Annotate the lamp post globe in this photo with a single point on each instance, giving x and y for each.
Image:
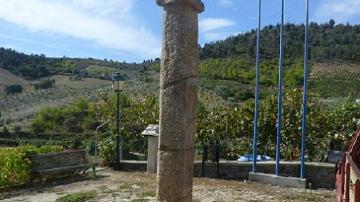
(116, 78)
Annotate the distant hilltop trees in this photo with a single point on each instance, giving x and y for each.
(327, 41)
(32, 66)
(37, 66)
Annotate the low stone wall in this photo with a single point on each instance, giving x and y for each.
(130, 165)
(319, 175)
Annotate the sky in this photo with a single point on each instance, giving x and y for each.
(131, 30)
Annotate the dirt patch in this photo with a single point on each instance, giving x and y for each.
(126, 186)
(335, 68)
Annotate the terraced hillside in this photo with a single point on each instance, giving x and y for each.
(7, 78)
(20, 107)
(337, 79)
(231, 81)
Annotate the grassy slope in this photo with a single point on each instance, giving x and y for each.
(19, 107)
(335, 80)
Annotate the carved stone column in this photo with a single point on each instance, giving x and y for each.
(178, 98)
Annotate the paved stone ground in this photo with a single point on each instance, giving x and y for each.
(125, 186)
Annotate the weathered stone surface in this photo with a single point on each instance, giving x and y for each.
(153, 144)
(176, 181)
(197, 5)
(278, 180)
(177, 124)
(178, 97)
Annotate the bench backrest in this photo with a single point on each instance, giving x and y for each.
(55, 160)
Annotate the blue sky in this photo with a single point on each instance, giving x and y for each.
(130, 30)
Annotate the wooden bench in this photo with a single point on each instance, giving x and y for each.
(68, 162)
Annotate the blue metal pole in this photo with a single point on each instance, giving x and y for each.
(280, 89)
(257, 90)
(304, 107)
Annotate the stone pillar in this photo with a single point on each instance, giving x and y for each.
(178, 97)
(152, 153)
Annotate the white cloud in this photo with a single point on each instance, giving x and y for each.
(210, 24)
(107, 23)
(212, 29)
(340, 10)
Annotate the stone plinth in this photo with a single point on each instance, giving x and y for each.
(153, 144)
(278, 180)
(152, 134)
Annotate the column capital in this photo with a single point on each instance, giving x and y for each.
(197, 5)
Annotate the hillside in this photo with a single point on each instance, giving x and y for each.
(7, 78)
(20, 107)
(222, 82)
(226, 71)
(336, 79)
(327, 41)
(37, 66)
(231, 81)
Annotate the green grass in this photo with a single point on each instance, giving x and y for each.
(99, 70)
(340, 85)
(140, 200)
(77, 197)
(147, 194)
(125, 186)
(144, 196)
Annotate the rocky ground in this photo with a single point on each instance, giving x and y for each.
(136, 187)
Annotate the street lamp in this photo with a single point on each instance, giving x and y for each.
(116, 86)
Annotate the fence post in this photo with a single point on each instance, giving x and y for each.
(343, 165)
(347, 182)
(357, 191)
(217, 156)
(204, 158)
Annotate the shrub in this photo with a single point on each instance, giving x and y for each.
(6, 131)
(44, 84)
(17, 129)
(88, 146)
(343, 122)
(15, 167)
(107, 150)
(72, 124)
(12, 89)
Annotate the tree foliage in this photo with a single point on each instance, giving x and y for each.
(327, 41)
(233, 127)
(36, 66)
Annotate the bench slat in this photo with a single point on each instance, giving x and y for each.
(54, 160)
(59, 162)
(59, 169)
(56, 154)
